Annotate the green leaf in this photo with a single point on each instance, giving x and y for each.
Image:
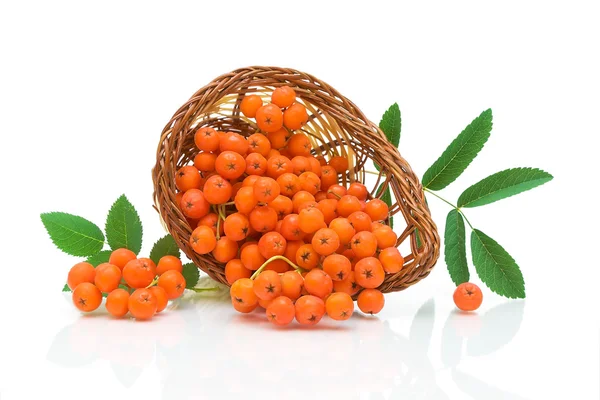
(455, 248)
(391, 124)
(419, 244)
(123, 226)
(165, 246)
(191, 273)
(459, 154)
(73, 234)
(501, 185)
(99, 258)
(66, 288)
(495, 267)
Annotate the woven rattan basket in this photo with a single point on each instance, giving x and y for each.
(336, 127)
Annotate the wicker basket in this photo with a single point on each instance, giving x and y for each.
(336, 126)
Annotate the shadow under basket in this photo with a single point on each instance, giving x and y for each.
(335, 127)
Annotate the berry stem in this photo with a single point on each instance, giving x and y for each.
(262, 267)
(153, 283)
(450, 204)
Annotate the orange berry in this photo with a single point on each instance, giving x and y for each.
(107, 278)
(283, 96)
(370, 301)
(139, 273)
(385, 236)
(310, 182)
(117, 303)
(120, 257)
(369, 273)
(281, 311)
(291, 285)
(161, 298)
(217, 190)
(337, 192)
(318, 283)
(301, 164)
(325, 241)
(194, 204)
(295, 116)
(347, 205)
(226, 249)
(348, 285)
(245, 200)
(231, 141)
(234, 270)
(205, 162)
(230, 165)
(289, 184)
(79, 273)
(279, 138)
(251, 257)
(279, 165)
(328, 208)
(242, 292)
(250, 104)
(167, 263)
(259, 143)
(142, 304)
(468, 296)
(239, 307)
(265, 189)
(187, 178)
(339, 163)
(309, 310)
(236, 226)
(256, 164)
(359, 190)
(263, 219)
(203, 240)
(269, 118)
(290, 227)
(282, 205)
(272, 244)
(339, 306)
(310, 220)
(391, 260)
(207, 139)
(377, 209)
(264, 303)
(315, 166)
(360, 221)
(173, 283)
(299, 145)
(343, 228)
(329, 177)
(86, 297)
(337, 267)
(300, 198)
(307, 257)
(364, 244)
(279, 266)
(267, 285)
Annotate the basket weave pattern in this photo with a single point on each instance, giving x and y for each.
(336, 127)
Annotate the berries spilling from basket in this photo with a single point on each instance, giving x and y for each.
(134, 285)
(293, 239)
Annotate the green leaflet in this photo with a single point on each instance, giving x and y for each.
(459, 154)
(123, 226)
(163, 247)
(66, 288)
(391, 124)
(501, 185)
(99, 258)
(455, 250)
(495, 267)
(73, 234)
(191, 273)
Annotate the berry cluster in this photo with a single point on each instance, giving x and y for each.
(134, 285)
(266, 204)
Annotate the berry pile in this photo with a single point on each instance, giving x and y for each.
(134, 285)
(293, 240)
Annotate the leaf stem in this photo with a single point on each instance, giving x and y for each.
(262, 267)
(450, 204)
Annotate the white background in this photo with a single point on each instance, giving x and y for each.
(86, 88)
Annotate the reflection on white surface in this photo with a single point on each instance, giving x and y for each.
(206, 350)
